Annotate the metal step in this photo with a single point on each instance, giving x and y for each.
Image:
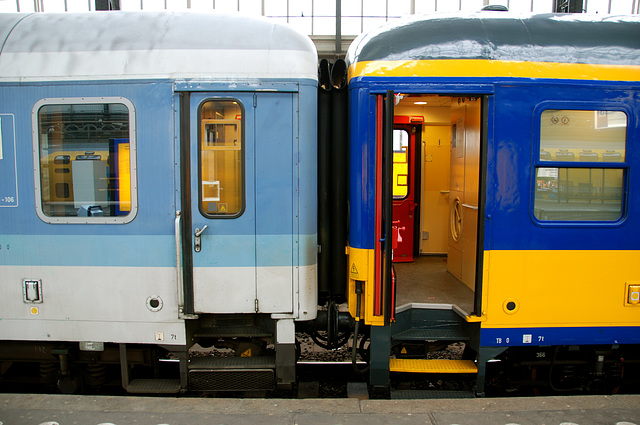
(449, 331)
(427, 394)
(232, 373)
(154, 386)
(232, 331)
(432, 366)
(234, 362)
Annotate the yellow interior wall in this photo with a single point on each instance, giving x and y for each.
(465, 162)
(435, 188)
(436, 146)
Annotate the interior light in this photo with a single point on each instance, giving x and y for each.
(419, 103)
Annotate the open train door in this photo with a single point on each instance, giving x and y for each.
(406, 186)
(384, 279)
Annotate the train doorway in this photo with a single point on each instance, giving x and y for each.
(439, 265)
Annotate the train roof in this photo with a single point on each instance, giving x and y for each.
(490, 37)
(148, 45)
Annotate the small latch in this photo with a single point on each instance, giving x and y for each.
(32, 290)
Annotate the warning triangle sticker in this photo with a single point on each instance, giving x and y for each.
(354, 270)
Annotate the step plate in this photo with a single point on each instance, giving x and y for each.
(154, 386)
(231, 380)
(429, 394)
(232, 331)
(432, 334)
(234, 362)
(432, 366)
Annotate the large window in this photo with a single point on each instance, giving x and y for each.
(221, 159)
(85, 160)
(581, 165)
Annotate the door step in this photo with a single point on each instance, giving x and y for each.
(427, 394)
(154, 386)
(438, 331)
(232, 332)
(432, 366)
(232, 373)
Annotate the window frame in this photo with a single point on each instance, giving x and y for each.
(123, 219)
(242, 158)
(537, 163)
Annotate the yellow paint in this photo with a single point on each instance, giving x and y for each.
(435, 188)
(432, 366)
(361, 267)
(475, 319)
(400, 174)
(492, 68)
(463, 188)
(633, 294)
(124, 175)
(52, 174)
(560, 288)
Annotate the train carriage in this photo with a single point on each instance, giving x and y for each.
(492, 161)
(158, 189)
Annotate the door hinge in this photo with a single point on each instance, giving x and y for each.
(257, 308)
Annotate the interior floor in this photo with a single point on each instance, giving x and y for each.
(427, 280)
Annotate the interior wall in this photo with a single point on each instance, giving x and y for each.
(465, 163)
(436, 146)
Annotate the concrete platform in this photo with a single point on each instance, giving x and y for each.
(27, 409)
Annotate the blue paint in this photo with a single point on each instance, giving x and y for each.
(148, 240)
(8, 178)
(521, 337)
(513, 125)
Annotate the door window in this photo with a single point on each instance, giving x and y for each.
(400, 164)
(221, 159)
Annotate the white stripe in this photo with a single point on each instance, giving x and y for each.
(217, 65)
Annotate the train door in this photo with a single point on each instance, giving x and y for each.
(241, 202)
(405, 193)
(448, 184)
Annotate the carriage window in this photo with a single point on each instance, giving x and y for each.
(587, 136)
(221, 159)
(575, 187)
(84, 152)
(400, 164)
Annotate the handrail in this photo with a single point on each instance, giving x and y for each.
(179, 264)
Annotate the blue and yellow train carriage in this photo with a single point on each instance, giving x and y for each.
(516, 228)
(158, 190)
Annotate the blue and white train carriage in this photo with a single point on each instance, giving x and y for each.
(158, 187)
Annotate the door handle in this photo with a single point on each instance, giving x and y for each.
(197, 246)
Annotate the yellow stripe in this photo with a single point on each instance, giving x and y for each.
(491, 68)
(432, 366)
(559, 288)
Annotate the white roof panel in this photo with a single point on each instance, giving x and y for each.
(140, 45)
